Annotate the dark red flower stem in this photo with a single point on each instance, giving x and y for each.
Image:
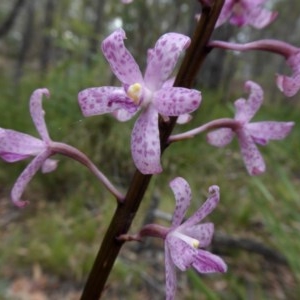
(126, 211)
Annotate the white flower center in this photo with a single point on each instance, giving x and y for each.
(189, 240)
(140, 94)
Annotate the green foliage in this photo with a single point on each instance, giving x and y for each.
(63, 236)
(69, 210)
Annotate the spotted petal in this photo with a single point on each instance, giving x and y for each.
(225, 12)
(183, 119)
(201, 232)
(37, 112)
(123, 115)
(182, 193)
(26, 176)
(246, 109)
(145, 143)
(163, 58)
(289, 85)
(259, 17)
(206, 262)
(121, 61)
(171, 280)
(176, 101)
(262, 132)
(182, 254)
(107, 99)
(246, 12)
(15, 146)
(220, 137)
(208, 206)
(49, 165)
(252, 158)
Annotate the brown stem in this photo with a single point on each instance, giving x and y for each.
(126, 211)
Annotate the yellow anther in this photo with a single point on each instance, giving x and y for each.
(134, 92)
(195, 244)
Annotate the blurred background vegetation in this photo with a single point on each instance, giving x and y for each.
(47, 249)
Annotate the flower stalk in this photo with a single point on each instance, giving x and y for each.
(269, 45)
(214, 124)
(126, 211)
(74, 153)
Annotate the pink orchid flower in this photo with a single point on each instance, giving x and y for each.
(249, 134)
(152, 94)
(16, 146)
(184, 241)
(246, 12)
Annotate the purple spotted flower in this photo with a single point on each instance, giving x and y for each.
(184, 241)
(16, 146)
(246, 12)
(249, 134)
(153, 94)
